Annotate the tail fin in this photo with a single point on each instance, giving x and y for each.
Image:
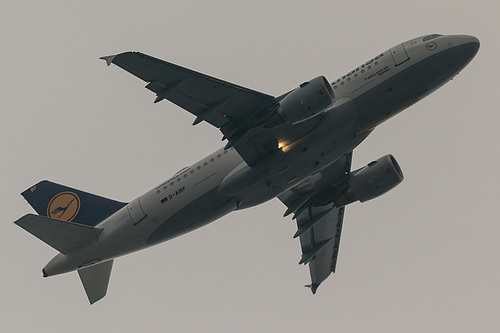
(68, 204)
(95, 280)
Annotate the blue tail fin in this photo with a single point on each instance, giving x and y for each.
(68, 204)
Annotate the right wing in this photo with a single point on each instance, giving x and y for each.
(233, 109)
(212, 100)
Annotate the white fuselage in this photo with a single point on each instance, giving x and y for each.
(204, 191)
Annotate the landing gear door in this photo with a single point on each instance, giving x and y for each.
(399, 54)
(135, 211)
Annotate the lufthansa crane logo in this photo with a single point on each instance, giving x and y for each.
(64, 206)
(431, 46)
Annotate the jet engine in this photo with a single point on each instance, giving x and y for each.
(308, 100)
(371, 181)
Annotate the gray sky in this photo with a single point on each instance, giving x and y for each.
(424, 257)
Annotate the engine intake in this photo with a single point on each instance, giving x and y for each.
(371, 181)
(308, 100)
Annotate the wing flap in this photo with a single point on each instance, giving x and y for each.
(312, 221)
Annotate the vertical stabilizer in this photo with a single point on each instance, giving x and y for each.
(95, 280)
(68, 204)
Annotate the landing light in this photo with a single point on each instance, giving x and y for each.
(284, 146)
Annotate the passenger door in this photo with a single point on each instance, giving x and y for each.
(135, 211)
(399, 54)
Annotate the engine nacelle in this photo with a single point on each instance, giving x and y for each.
(371, 181)
(305, 102)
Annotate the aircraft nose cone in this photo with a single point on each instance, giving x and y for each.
(468, 45)
(461, 50)
(472, 43)
(474, 40)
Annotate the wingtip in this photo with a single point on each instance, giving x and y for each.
(108, 59)
(93, 300)
(313, 287)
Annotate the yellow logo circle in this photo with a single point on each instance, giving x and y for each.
(64, 206)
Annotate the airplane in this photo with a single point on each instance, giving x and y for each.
(296, 147)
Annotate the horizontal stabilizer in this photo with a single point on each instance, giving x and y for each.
(95, 280)
(63, 236)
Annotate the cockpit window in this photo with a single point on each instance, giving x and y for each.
(426, 38)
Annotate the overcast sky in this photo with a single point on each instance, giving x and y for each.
(423, 258)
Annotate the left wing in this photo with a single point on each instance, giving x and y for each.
(229, 107)
(319, 224)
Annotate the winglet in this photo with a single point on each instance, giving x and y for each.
(313, 287)
(108, 59)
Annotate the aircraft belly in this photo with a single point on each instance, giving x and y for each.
(333, 138)
(199, 212)
(404, 89)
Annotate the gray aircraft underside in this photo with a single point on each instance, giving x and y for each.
(297, 147)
